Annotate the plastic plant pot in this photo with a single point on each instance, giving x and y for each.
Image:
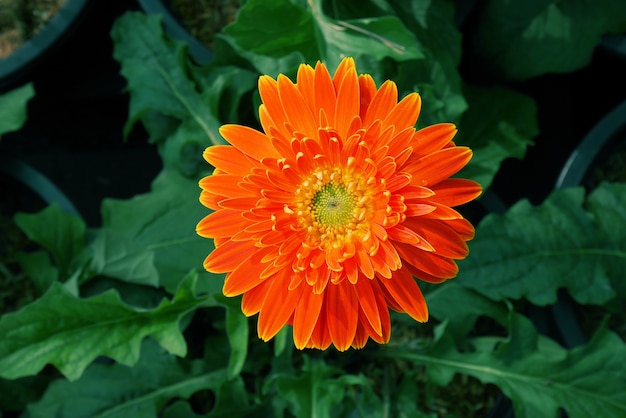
(16, 67)
(200, 53)
(607, 132)
(39, 184)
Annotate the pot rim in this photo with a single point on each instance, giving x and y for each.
(582, 157)
(14, 66)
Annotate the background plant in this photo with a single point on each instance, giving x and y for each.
(125, 322)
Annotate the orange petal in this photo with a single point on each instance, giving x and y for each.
(405, 291)
(298, 112)
(278, 306)
(383, 314)
(445, 241)
(246, 276)
(252, 300)
(306, 84)
(249, 141)
(405, 113)
(228, 256)
(383, 101)
(433, 138)
(229, 159)
(348, 103)
(223, 223)
(367, 87)
(367, 302)
(325, 95)
(306, 317)
(462, 227)
(454, 192)
(429, 262)
(224, 185)
(342, 308)
(320, 338)
(437, 166)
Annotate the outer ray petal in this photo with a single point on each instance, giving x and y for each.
(455, 192)
(249, 141)
(306, 317)
(405, 113)
(228, 159)
(278, 306)
(228, 256)
(407, 294)
(342, 308)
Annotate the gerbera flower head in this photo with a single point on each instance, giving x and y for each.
(324, 218)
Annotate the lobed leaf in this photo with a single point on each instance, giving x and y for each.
(531, 252)
(142, 391)
(295, 34)
(535, 373)
(520, 40)
(163, 94)
(59, 232)
(69, 332)
(151, 238)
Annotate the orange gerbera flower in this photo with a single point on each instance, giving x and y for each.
(322, 220)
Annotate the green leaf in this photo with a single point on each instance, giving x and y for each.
(237, 331)
(143, 391)
(315, 392)
(69, 332)
(436, 77)
(443, 304)
(531, 252)
(536, 374)
(38, 267)
(275, 37)
(151, 238)
(13, 110)
(517, 40)
(59, 232)
(162, 90)
(495, 133)
(379, 37)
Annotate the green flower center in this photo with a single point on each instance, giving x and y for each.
(333, 205)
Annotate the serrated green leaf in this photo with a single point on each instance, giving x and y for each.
(294, 34)
(536, 374)
(69, 332)
(162, 89)
(379, 37)
(114, 255)
(532, 252)
(59, 232)
(13, 110)
(155, 230)
(517, 40)
(143, 391)
(495, 133)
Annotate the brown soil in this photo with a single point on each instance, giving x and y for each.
(204, 18)
(20, 20)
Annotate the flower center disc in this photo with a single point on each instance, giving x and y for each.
(333, 206)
